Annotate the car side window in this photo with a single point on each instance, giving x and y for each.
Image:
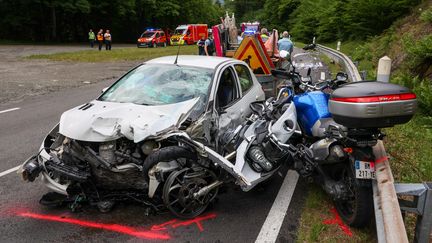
(162, 34)
(244, 76)
(227, 92)
(157, 35)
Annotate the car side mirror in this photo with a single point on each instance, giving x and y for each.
(104, 89)
(221, 110)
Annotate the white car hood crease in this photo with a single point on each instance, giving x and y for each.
(107, 121)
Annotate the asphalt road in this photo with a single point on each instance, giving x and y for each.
(235, 217)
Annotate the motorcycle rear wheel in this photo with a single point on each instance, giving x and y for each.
(358, 210)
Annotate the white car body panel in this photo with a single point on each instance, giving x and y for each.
(107, 121)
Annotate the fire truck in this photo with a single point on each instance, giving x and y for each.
(189, 34)
(152, 37)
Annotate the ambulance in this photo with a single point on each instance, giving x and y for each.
(188, 34)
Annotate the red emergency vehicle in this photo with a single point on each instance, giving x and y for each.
(152, 38)
(189, 34)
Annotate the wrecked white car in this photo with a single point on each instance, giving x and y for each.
(157, 136)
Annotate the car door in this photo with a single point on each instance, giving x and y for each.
(250, 88)
(227, 96)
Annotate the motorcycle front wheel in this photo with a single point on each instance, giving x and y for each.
(356, 211)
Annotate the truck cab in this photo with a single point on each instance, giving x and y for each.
(152, 38)
(188, 34)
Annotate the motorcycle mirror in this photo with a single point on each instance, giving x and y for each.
(340, 76)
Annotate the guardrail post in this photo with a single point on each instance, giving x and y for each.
(423, 232)
(384, 69)
(338, 46)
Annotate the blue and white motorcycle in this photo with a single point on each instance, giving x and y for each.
(333, 126)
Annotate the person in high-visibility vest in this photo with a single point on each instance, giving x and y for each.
(107, 37)
(264, 34)
(91, 37)
(100, 38)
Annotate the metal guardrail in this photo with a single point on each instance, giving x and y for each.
(343, 59)
(388, 208)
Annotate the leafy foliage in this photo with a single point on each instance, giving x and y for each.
(427, 15)
(326, 19)
(70, 20)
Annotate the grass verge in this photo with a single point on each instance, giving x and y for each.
(120, 54)
(317, 210)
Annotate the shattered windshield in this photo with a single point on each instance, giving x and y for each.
(179, 31)
(156, 84)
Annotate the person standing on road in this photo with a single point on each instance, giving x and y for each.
(100, 38)
(107, 37)
(285, 43)
(91, 37)
(209, 45)
(201, 44)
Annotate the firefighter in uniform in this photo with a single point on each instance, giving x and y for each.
(100, 38)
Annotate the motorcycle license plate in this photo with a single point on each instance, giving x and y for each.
(364, 170)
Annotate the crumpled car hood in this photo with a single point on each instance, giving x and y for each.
(106, 121)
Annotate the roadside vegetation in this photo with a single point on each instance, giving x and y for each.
(120, 54)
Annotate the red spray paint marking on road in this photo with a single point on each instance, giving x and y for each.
(162, 226)
(337, 220)
(152, 235)
(112, 227)
(196, 221)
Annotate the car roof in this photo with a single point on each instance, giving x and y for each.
(192, 60)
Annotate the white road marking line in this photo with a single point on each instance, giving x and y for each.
(10, 171)
(13, 109)
(270, 229)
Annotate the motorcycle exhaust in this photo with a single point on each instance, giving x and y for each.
(205, 190)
